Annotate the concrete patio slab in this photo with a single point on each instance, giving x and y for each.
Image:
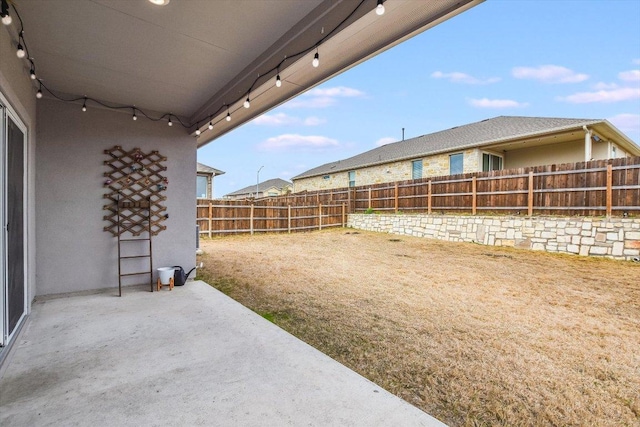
(191, 356)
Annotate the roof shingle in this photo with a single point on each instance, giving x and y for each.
(476, 134)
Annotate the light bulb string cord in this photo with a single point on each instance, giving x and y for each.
(208, 117)
(21, 40)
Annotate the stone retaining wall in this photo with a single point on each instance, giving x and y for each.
(617, 238)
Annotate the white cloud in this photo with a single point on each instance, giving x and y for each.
(313, 121)
(630, 76)
(386, 140)
(626, 122)
(636, 61)
(324, 97)
(458, 77)
(282, 119)
(613, 95)
(549, 74)
(496, 103)
(278, 119)
(604, 86)
(298, 141)
(336, 92)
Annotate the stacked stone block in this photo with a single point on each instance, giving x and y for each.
(617, 238)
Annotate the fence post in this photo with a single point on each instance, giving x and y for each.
(251, 220)
(344, 214)
(289, 219)
(395, 208)
(474, 196)
(609, 189)
(530, 195)
(369, 205)
(428, 197)
(210, 217)
(319, 216)
(349, 198)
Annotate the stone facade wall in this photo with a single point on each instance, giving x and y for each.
(437, 165)
(617, 238)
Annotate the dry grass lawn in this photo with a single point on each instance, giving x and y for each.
(473, 335)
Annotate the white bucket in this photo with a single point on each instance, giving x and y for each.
(166, 273)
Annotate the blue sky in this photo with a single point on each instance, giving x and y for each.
(575, 59)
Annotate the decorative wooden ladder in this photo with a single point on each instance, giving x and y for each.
(132, 215)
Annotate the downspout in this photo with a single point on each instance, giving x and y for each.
(587, 144)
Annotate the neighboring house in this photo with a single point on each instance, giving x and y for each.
(499, 143)
(204, 181)
(269, 188)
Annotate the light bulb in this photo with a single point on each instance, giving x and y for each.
(135, 117)
(316, 60)
(198, 132)
(20, 52)
(228, 116)
(278, 81)
(39, 94)
(380, 8)
(32, 74)
(247, 104)
(84, 108)
(170, 122)
(210, 125)
(6, 19)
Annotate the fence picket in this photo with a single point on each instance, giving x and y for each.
(585, 188)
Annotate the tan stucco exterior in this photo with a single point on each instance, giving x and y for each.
(566, 152)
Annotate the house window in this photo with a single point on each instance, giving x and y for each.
(491, 162)
(416, 169)
(326, 177)
(272, 193)
(352, 178)
(455, 164)
(614, 153)
(201, 187)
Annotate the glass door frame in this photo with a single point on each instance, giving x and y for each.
(6, 114)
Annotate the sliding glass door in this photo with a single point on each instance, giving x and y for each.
(14, 291)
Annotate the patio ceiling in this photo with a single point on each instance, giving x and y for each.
(191, 58)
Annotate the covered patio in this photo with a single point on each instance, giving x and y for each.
(191, 356)
(83, 79)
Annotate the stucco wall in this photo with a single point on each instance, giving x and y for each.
(73, 251)
(617, 238)
(16, 86)
(437, 165)
(568, 152)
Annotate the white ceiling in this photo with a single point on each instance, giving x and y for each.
(191, 57)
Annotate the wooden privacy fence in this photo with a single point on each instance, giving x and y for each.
(220, 217)
(602, 187)
(596, 188)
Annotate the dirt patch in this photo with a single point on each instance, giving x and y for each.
(471, 334)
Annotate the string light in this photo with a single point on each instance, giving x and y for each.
(84, 105)
(22, 52)
(198, 132)
(4, 13)
(380, 8)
